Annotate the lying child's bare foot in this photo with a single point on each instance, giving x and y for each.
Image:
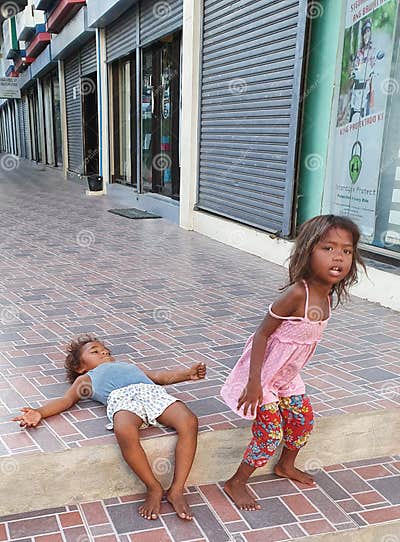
(150, 509)
(294, 474)
(179, 504)
(238, 492)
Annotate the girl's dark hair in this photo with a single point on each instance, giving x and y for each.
(73, 360)
(310, 233)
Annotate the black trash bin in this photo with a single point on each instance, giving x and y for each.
(95, 183)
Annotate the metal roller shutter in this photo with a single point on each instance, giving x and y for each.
(21, 127)
(88, 57)
(28, 144)
(251, 73)
(159, 18)
(121, 35)
(74, 115)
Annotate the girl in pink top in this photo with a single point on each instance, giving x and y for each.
(323, 262)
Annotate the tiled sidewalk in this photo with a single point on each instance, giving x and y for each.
(161, 297)
(349, 496)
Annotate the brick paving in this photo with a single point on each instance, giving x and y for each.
(349, 496)
(159, 296)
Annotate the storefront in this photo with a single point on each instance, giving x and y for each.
(251, 77)
(35, 126)
(80, 71)
(52, 118)
(143, 50)
(359, 173)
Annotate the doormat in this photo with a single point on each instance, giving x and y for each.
(133, 213)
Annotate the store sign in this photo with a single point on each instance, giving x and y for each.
(365, 83)
(9, 88)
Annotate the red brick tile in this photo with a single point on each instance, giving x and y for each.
(333, 467)
(220, 503)
(380, 515)
(60, 425)
(18, 440)
(33, 527)
(82, 414)
(56, 537)
(369, 497)
(274, 534)
(372, 471)
(159, 535)
(133, 498)
(23, 386)
(3, 535)
(94, 513)
(299, 505)
(107, 538)
(98, 441)
(317, 527)
(70, 519)
(222, 425)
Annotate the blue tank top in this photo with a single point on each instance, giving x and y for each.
(113, 375)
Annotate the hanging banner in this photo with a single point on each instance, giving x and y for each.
(365, 83)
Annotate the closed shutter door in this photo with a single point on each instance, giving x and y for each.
(251, 74)
(27, 131)
(88, 58)
(74, 115)
(159, 18)
(121, 35)
(21, 127)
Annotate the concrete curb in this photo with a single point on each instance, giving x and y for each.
(47, 480)
(381, 532)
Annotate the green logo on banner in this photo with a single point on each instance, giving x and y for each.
(355, 163)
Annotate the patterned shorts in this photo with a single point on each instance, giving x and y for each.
(290, 419)
(148, 401)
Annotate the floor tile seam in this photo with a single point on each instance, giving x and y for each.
(86, 523)
(335, 504)
(339, 506)
(214, 513)
(60, 527)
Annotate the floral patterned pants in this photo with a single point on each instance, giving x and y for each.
(290, 419)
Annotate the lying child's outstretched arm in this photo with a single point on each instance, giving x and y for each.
(79, 390)
(165, 377)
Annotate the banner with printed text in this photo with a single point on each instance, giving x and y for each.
(365, 83)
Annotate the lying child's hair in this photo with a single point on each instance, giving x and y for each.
(73, 359)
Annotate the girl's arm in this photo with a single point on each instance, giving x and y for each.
(164, 377)
(291, 303)
(31, 417)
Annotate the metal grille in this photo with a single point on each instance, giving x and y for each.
(74, 115)
(21, 127)
(27, 131)
(159, 18)
(121, 35)
(88, 57)
(251, 71)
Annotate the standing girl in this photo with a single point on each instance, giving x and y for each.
(323, 262)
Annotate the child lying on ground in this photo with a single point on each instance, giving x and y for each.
(133, 398)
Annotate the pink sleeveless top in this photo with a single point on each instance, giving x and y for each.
(288, 350)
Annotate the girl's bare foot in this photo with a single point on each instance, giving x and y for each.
(294, 474)
(179, 504)
(150, 509)
(239, 494)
